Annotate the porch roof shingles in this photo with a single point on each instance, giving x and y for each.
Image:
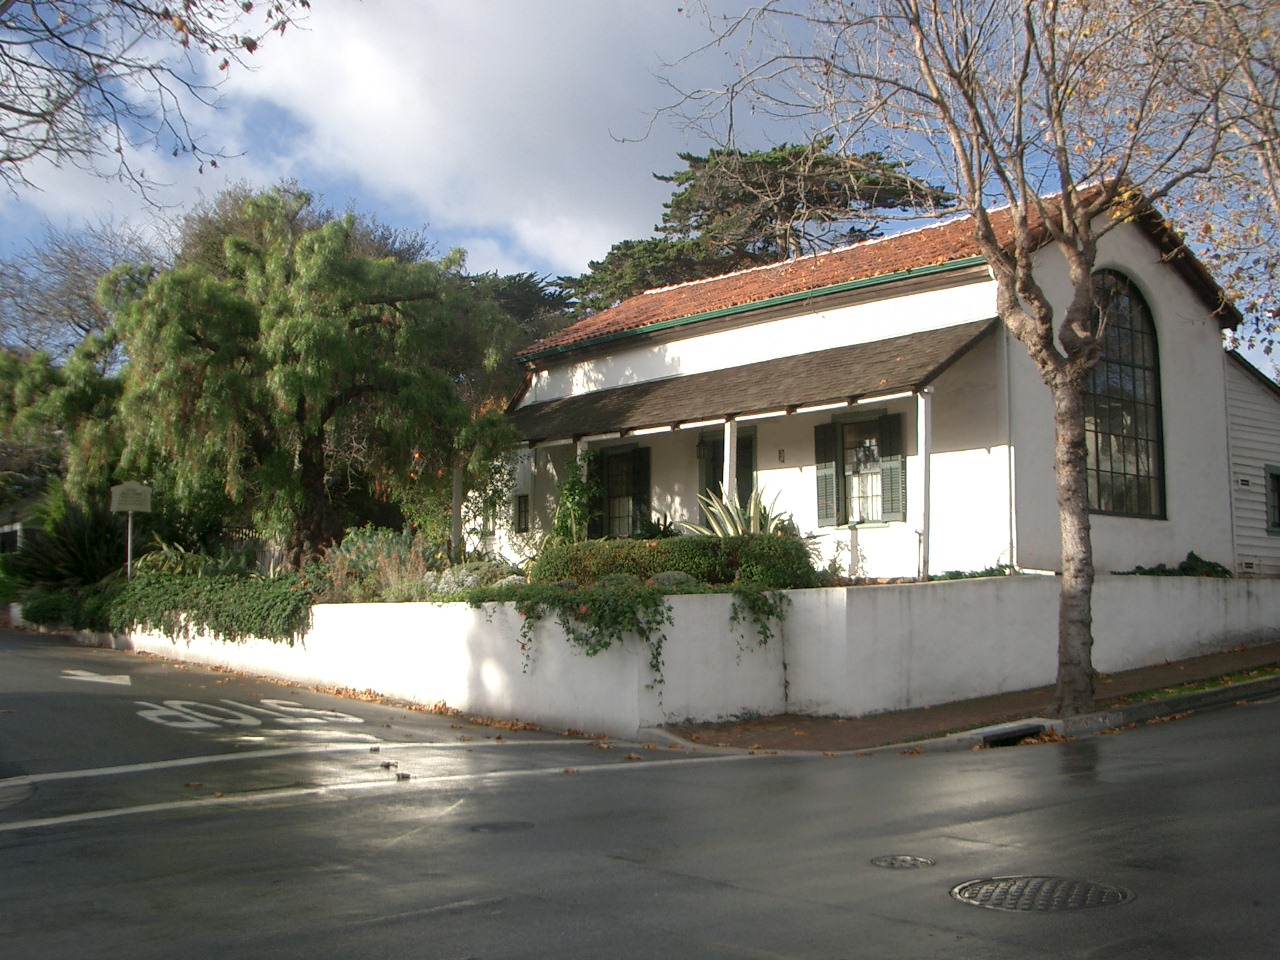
(843, 373)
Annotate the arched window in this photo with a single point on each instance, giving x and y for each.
(1122, 420)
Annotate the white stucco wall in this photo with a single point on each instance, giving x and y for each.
(847, 652)
(1197, 489)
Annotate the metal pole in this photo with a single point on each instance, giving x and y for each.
(129, 550)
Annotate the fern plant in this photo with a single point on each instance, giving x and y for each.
(729, 518)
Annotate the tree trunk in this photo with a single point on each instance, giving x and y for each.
(318, 524)
(455, 511)
(1075, 604)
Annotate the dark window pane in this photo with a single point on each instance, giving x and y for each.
(1123, 429)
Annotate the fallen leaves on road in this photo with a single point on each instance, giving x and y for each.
(1049, 735)
(633, 756)
(1171, 717)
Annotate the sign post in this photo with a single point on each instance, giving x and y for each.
(130, 497)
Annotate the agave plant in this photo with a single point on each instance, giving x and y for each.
(729, 518)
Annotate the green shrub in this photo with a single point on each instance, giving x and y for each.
(374, 563)
(673, 581)
(775, 562)
(1193, 566)
(589, 560)
(999, 570)
(81, 608)
(175, 559)
(228, 608)
(81, 546)
(703, 558)
(593, 618)
(9, 591)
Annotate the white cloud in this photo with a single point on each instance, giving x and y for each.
(493, 122)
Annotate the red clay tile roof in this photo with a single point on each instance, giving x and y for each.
(929, 246)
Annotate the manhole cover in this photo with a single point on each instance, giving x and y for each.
(501, 826)
(902, 861)
(1039, 894)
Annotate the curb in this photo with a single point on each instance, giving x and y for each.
(1092, 724)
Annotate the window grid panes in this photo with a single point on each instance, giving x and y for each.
(1123, 428)
(862, 480)
(618, 494)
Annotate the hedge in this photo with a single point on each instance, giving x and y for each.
(226, 607)
(773, 562)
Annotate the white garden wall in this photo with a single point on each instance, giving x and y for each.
(848, 652)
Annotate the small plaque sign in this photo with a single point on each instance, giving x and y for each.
(131, 497)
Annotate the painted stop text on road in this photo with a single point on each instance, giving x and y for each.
(268, 718)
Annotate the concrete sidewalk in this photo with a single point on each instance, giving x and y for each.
(1134, 696)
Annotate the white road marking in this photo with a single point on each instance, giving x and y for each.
(205, 804)
(194, 715)
(88, 675)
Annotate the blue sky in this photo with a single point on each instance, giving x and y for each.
(524, 132)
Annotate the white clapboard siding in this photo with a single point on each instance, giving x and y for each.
(1253, 423)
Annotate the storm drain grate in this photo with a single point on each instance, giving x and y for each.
(902, 861)
(1039, 894)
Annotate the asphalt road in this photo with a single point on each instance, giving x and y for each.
(187, 813)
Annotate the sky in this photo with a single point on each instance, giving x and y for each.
(524, 131)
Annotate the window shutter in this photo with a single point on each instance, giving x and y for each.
(826, 457)
(641, 512)
(891, 436)
(893, 488)
(893, 469)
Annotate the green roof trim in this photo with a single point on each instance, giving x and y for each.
(910, 273)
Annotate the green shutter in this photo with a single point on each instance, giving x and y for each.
(893, 488)
(641, 511)
(826, 459)
(893, 469)
(891, 436)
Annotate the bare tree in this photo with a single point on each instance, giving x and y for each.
(1073, 115)
(1234, 215)
(83, 80)
(48, 293)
